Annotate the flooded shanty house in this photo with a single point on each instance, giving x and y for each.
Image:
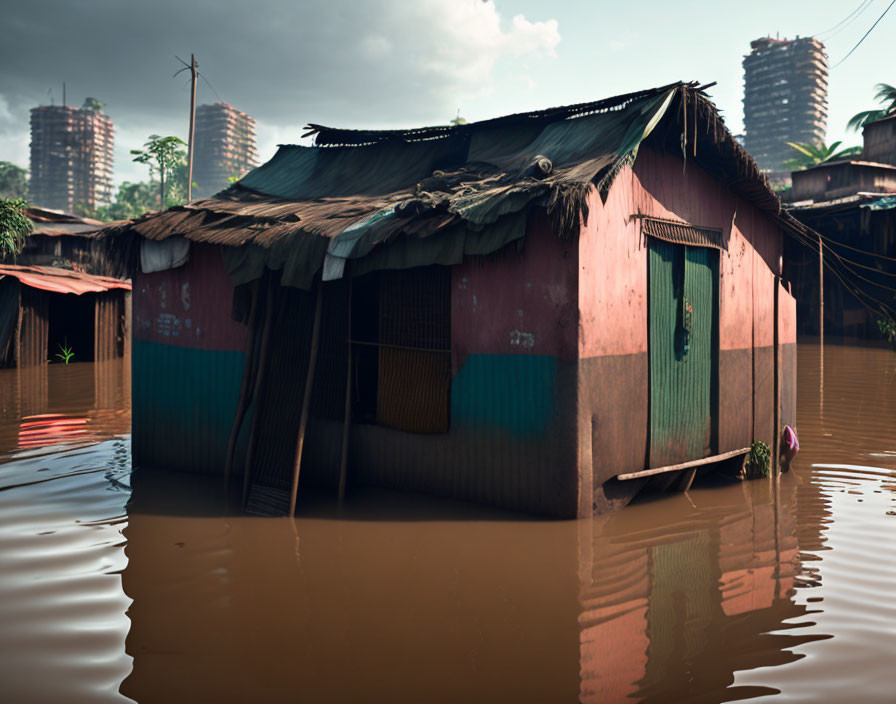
(543, 311)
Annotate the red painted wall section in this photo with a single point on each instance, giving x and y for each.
(188, 306)
(612, 276)
(517, 303)
(613, 269)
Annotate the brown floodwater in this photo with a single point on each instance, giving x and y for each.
(118, 585)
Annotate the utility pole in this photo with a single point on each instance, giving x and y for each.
(820, 292)
(193, 72)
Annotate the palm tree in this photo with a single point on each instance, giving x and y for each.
(809, 154)
(886, 94)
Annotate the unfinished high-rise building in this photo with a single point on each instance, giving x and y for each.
(71, 157)
(224, 147)
(785, 98)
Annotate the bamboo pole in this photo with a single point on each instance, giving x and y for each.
(259, 383)
(245, 388)
(306, 401)
(343, 463)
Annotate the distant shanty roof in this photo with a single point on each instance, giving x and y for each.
(49, 278)
(399, 198)
(56, 222)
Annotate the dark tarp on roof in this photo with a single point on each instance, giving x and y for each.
(398, 199)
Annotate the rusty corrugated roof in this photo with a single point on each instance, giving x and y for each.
(49, 278)
(360, 190)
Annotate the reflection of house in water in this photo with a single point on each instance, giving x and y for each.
(671, 610)
(400, 599)
(44, 405)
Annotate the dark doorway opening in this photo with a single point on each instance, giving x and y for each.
(71, 325)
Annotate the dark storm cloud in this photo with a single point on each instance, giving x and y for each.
(281, 61)
(376, 63)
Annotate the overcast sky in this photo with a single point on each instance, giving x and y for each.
(400, 63)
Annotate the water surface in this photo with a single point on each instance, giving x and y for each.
(144, 585)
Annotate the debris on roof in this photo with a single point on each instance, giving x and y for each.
(442, 192)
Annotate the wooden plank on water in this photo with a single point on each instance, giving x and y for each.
(683, 465)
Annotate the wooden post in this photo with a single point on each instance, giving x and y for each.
(343, 464)
(306, 401)
(193, 71)
(776, 438)
(246, 387)
(259, 382)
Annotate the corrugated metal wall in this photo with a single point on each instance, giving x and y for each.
(34, 327)
(9, 319)
(187, 360)
(109, 325)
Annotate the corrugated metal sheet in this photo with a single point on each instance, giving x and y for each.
(109, 326)
(57, 280)
(681, 292)
(682, 233)
(9, 319)
(475, 173)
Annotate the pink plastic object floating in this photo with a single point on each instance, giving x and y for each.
(791, 440)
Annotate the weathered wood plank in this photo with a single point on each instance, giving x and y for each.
(683, 465)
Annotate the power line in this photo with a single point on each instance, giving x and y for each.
(893, 2)
(848, 19)
(867, 300)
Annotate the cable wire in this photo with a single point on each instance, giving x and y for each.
(852, 16)
(864, 36)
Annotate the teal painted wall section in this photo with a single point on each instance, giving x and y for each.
(513, 392)
(184, 401)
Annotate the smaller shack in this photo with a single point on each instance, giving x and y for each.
(43, 309)
(69, 241)
(851, 204)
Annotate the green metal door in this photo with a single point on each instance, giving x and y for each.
(682, 327)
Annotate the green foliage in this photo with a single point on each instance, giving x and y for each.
(162, 155)
(131, 201)
(886, 95)
(164, 158)
(887, 327)
(65, 353)
(92, 104)
(759, 460)
(14, 225)
(808, 155)
(13, 181)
